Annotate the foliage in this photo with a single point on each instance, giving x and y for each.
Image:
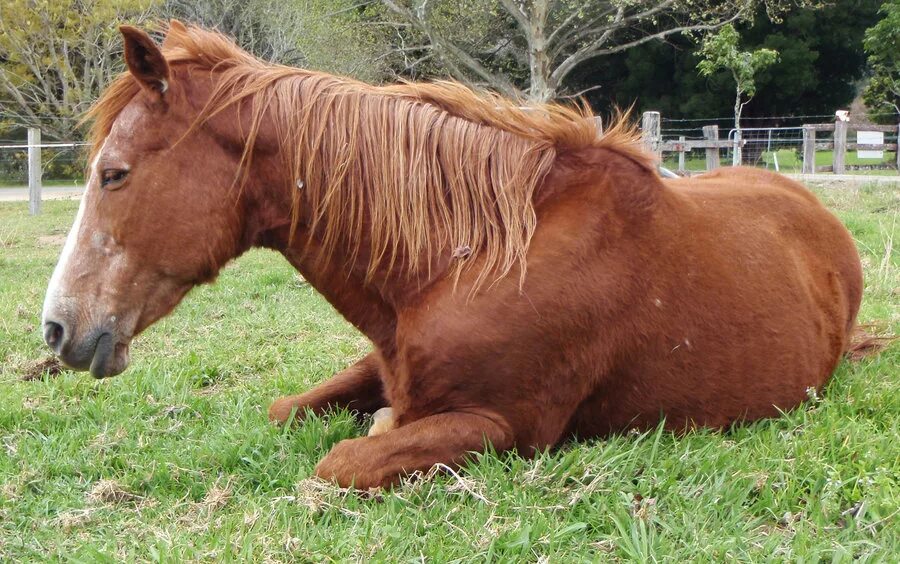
(720, 51)
(533, 46)
(882, 44)
(329, 35)
(175, 460)
(57, 55)
(821, 60)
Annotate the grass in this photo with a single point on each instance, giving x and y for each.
(175, 461)
(789, 161)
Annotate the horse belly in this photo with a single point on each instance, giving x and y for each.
(740, 345)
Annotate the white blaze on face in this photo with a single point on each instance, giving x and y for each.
(55, 288)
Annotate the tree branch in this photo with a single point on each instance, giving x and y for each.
(441, 44)
(592, 49)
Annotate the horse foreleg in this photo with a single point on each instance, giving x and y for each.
(358, 388)
(445, 438)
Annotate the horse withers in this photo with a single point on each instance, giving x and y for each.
(522, 280)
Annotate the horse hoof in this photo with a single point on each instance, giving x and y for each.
(281, 410)
(382, 421)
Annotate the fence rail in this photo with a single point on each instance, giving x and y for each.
(754, 144)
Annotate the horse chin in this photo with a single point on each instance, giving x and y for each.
(110, 358)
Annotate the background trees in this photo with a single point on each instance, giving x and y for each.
(55, 55)
(821, 63)
(331, 35)
(721, 51)
(531, 47)
(882, 45)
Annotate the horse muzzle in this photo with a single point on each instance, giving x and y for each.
(99, 350)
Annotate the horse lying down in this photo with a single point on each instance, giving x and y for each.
(521, 279)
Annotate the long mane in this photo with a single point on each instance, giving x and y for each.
(412, 171)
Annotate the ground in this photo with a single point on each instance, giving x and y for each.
(175, 460)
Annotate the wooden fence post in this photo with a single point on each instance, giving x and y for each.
(809, 149)
(650, 132)
(598, 121)
(840, 145)
(681, 154)
(34, 170)
(711, 133)
(736, 152)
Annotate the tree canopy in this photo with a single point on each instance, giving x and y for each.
(56, 55)
(882, 45)
(721, 51)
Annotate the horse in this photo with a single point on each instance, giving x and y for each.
(522, 279)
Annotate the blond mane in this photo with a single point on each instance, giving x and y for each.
(412, 171)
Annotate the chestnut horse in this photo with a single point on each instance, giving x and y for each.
(522, 280)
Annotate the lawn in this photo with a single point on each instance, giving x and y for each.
(175, 460)
(789, 161)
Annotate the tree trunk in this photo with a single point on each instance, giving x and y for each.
(541, 88)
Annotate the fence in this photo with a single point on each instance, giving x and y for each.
(28, 162)
(793, 148)
(785, 149)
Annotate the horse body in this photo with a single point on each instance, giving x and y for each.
(709, 301)
(518, 286)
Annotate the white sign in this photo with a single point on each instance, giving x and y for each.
(870, 138)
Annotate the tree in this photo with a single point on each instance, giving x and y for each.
(820, 63)
(882, 45)
(529, 48)
(721, 51)
(56, 56)
(329, 35)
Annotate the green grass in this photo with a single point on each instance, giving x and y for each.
(789, 161)
(174, 460)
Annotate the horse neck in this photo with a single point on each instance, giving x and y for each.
(369, 304)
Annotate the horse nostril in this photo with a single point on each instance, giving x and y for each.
(54, 335)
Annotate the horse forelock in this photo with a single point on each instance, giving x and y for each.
(414, 171)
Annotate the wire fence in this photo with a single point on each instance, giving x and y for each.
(778, 145)
(778, 148)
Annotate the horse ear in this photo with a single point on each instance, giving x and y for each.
(175, 30)
(144, 60)
(177, 25)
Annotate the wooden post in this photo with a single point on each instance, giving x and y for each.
(809, 149)
(650, 132)
(598, 121)
(711, 133)
(736, 152)
(681, 154)
(34, 170)
(840, 145)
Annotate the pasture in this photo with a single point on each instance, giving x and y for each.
(175, 460)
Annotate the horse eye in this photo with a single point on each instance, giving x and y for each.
(112, 176)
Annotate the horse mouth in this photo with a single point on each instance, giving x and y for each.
(110, 357)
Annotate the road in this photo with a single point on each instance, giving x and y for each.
(47, 193)
(63, 192)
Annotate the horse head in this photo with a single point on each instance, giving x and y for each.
(153, 221)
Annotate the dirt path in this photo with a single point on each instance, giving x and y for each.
(47, 193)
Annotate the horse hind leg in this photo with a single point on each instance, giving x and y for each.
(358, 388)
(383, 459)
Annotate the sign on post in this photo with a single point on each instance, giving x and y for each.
(870, 138)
